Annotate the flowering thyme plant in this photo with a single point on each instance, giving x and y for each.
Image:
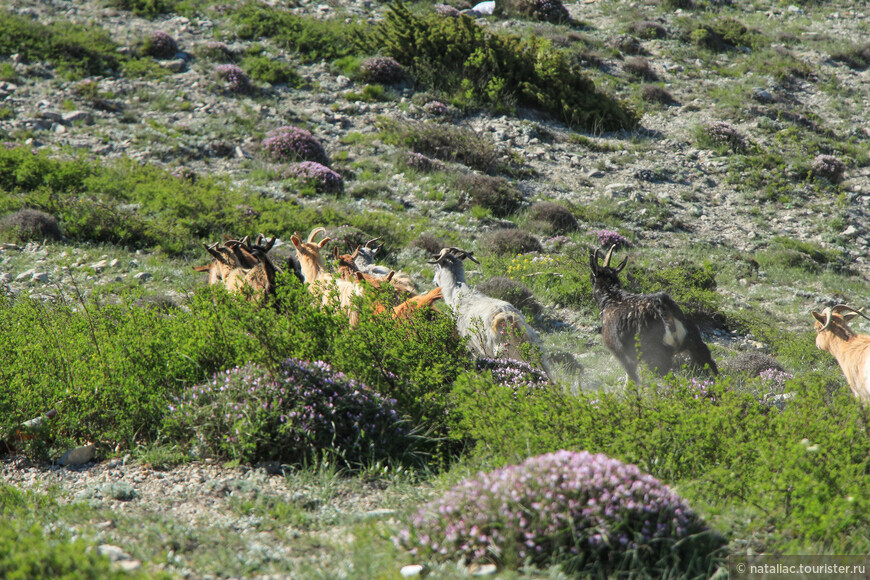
(235, 78)
(607, 238)
(289, 143)
(292, 415)
(829, 167)
(587, 511)
(322, 178)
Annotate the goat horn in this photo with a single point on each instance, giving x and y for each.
(355, 253)
(437, 259)
(839, 307)
(370, 241)
(470, 256)
(269, 244)
(313, 233)
(622, 265)
(608, 256)
(827, 313)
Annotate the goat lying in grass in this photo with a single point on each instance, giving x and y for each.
(238, 264)
(364, 260)
(495, 328)
(652, 321)
(851, 350)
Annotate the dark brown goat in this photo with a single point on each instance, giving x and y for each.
(652, 322)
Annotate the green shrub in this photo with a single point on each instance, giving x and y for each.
(272, 71)
(725, 34)
(478, 67)
(146, 8)
(692, 286)
(313, 39)
(77, 51)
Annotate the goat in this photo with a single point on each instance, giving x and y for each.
(495, 328)
(364, 259)
(320, 282)
(237, 265)
(652, 321)
(851, 350)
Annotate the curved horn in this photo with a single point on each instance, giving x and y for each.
(313, 233)
(608, 256)
(622, 265)
(840, 307)
(214, 251)
(827, 314)
(370, 241)
(438, 258)
(355, 253)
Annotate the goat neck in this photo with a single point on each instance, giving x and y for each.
(450, 275)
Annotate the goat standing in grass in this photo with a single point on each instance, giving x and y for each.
(851, 350)
(238, 264)
(652, 321)
(495, 328)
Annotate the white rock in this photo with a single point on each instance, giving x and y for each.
(78, 455)
(25, 275)
(114, 553)
(5, 278)
(77, 116)
(412, 571)
(849, 232)
(41, 277)
(99, 266)
(484, 7)
(484, 570)
(142, 277)
(113, 263)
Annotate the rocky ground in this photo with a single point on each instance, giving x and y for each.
(181, 122)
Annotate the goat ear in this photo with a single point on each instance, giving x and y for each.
(323, 242)
(360, 277)
(819, 316)
(335, 252)
(296, 240)
(593, 261)
(390, 275)
(849, 316)
(355, 253)
(622, 265)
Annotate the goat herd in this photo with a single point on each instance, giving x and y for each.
(648, 328)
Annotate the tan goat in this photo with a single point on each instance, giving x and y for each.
(320, 282)
(237, 265)
(851, 350)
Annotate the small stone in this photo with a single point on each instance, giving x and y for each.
(120, 490)
(175, 65)
(595, 174)
(483, 569)
(849, 232)
(129, 565)
(5, 278)
(77, 117)
(114, 553)
(142, 277)
(99, 266)
(113, 263)
(78, 455)
(56, 117)
(41, 277)
(25, 275)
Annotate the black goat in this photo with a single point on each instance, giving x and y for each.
(653, 322)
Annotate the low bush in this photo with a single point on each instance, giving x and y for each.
(829, 167)
(428, 243)
(382, 69)
(608, 238)
(495, 194)
(216, 51)
(234, 78)
(420, 162)
(592, 514)
(544, 10)
(552, 218)
(447, 143)
(656, 94)
(648, 30)
(321, 178)
(722, 135)
(160, 45)
(294, 414)
(512, 291)
(511, 242)
(639, 67)
(289, 143)
(751, 364)
(28, 225)
(272, 71)
(856, 57)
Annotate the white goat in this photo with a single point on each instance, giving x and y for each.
(851, 350)
(364, 258)
(495, 328)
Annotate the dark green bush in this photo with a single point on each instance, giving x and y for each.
(77, 51)
(725, 34)
(29, 225)
(552, 218)
(478, 67)
(511, 242)
(272, 71)
(493, 193)
(146, 8)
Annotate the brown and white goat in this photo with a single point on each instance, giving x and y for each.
(654, 322)
(851, 350)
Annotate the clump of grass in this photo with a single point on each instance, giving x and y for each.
(513, 241)
(428, 243)
(855, 57)
(30, 225)
(160, 45)
(420, 162)
(639, 67)
(751, 364)
(648, 30)
(828, 167)
(722, 134)
(656, 94)
(543, 10)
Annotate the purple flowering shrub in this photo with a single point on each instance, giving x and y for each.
(160, 45)
(588, 512)
(607, 238)
(382, 69)
(773, 380)
(828, 167)
(291, 415)
(420, 162)
(545, 10)
(722, 133)
(289, 143)
(235, 78)
(436, 108)
(517, 374)
(446, 10)
(322, 178)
